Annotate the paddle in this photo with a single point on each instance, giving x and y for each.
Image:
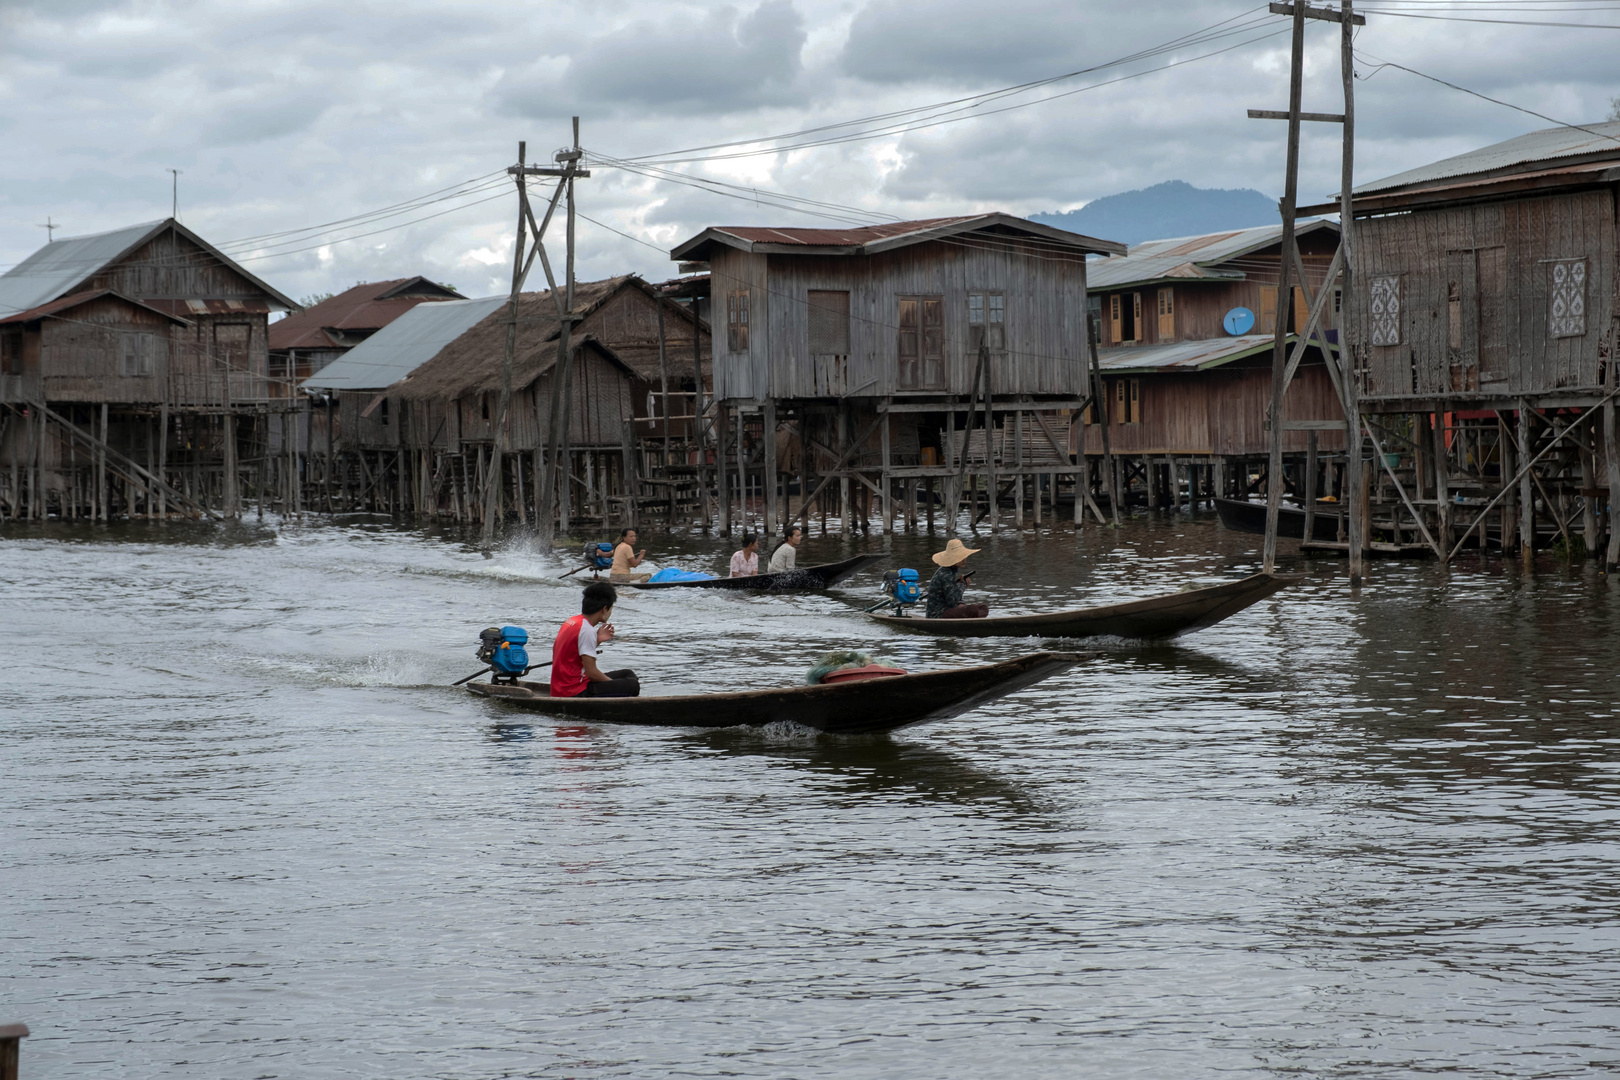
(571, 573)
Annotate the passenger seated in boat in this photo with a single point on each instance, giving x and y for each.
(946, 586)
(574, 671)
(745, 563)
(786, 557)
(626, 558)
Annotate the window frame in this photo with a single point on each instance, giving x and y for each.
(737, 320)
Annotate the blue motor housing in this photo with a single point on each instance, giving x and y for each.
(501, 647)
(903, 585)
(599, 556)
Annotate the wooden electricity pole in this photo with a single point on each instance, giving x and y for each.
(1282, 364)
(525, 252)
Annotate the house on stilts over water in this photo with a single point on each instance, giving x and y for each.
(886, 371)
(1482, 326)
(134, 378)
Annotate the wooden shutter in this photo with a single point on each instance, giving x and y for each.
(907, 375)
(1491, 276)
(1268, 310)
(1302, 312)
(933, 343)
(1167, 315)
(1136, 316)
(1136, 401)
(829, 322)
(1114, 321)
(996, 326)
(737, 321)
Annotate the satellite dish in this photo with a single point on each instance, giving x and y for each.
(1238, 321)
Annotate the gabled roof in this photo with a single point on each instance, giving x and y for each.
(872, 239)
(1533, 150)
(404, 345)
(1190, 257)
(471, 362)
(366, 308)
(78, 300)
(58, 268)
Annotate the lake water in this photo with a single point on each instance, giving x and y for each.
(249, 831)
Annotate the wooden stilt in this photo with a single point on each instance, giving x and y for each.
(1527, 515)
(1310, 485)
(768, 478)
(928, 505)
(887, 484)
(1611, 459)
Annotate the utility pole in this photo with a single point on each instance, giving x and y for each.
(174, 207)
(50, 228)
(1282, 365)
(1355, 473)
(525, 252)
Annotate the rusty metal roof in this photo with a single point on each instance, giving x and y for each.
(403, 345)
(365, 308)
(1597, 141)
(81, 298)
(871, 239)
(1183, 355)
(1189, 257)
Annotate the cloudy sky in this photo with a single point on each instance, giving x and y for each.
(380, 131)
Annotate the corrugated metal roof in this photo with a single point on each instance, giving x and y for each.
(368, 306)
(1187, 257)
(403, 345)
(870, 239)
(62, 264)
(1183, 355)
(1548, 144)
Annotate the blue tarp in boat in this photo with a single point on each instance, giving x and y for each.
(671, 573)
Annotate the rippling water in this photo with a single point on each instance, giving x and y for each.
(249, 832)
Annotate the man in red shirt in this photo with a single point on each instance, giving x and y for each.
(574, 671)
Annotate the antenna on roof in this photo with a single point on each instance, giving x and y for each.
(174, 206)
(50, 228)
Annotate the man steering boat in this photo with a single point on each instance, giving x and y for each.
(945, 588)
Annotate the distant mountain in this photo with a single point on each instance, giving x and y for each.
(1173, 208)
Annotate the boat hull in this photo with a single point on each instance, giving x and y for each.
(1155, 617)
(804, 579)
(847, 708)
(1250, 517)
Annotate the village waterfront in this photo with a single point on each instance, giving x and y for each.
(250, 830)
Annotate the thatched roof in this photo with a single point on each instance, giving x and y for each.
(471, 364)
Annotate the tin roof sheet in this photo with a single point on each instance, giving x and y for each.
(1188, 257)
(403, 345)
(367, 306)
(1548, 144)
(77, 299)
(1183, 355)
(869, 239)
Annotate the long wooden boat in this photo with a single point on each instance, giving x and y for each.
(1244, 516)
(803, 579)
(1165, 616)
(846, 708)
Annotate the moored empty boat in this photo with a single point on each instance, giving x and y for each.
(852, 707)
(1164, 616)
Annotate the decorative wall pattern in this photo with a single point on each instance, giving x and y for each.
(1566, 299)
(1384, 305)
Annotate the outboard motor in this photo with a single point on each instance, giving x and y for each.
(901, 588)
(599, 557)
(502, 648)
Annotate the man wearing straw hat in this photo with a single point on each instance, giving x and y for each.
(945, 587)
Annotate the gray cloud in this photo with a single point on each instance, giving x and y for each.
(720, 62)
(293, 114)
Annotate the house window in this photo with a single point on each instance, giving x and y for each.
(987, 322)
(829, 322)
(922, 343)
(1566, 298)
(11, 352)
(1297, 316)
(135, 354)
(1384, 309)
(1167, 315)
(483, 406)
(737, 321)
(1127, 401)
(382, 412)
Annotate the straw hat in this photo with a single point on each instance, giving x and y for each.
(954, 552)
